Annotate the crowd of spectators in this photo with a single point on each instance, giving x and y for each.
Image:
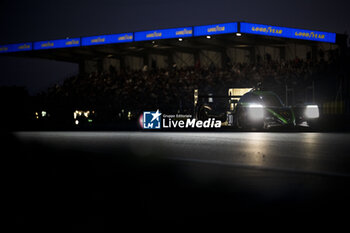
(171, 90)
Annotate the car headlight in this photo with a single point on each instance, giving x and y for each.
(312, 111)
(256, 111)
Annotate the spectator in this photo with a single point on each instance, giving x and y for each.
(171, 90)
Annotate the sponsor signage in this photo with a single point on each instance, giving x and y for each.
(206, 30)
(55, 44)
(164, 34)
(215, 29)
(16, 47)
(293, 33)
(107, 39)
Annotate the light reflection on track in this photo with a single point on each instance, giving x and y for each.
(321, 153)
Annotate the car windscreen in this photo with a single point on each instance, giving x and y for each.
(271, 100)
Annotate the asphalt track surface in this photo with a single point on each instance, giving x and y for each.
(320, 153)
(95, 181)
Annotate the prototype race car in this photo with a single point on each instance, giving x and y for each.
(255, 109)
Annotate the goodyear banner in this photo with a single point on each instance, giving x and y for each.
(215, 29)
(293, 33)
(107, 39)
(55, 44)
(164, 34)
(16, 47)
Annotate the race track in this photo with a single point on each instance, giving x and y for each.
(319, 153)
(103, 180)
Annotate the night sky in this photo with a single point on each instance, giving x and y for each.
(22, 21)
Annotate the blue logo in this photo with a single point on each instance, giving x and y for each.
(151, 120)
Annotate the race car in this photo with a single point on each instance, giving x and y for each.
(255, 109)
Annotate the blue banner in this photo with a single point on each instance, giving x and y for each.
(107, 39)
(164, 34)
(55, 44)
(16, 47)
(4, 48)
(293, 33)
(215, 29)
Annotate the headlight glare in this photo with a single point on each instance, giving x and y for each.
(312, 111)
(256, 111)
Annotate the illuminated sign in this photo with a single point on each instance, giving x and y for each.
(107, 39)
(164, 34)
(15, 47)
(293, 33)
(206, 30)
(215, 29)
(55, 44)
(4, 48)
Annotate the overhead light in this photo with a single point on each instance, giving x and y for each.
(153, 42)
(180, 39)
(238, 34)
(208, 37)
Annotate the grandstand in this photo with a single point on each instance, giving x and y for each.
(125, 68)
(241, 42)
